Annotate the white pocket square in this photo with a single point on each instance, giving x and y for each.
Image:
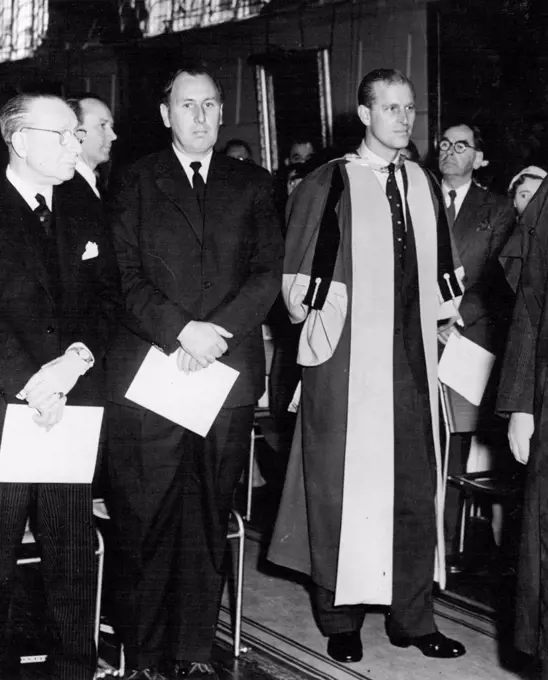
(91, 251)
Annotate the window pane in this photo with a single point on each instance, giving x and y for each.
(23, 25)
(166, 16)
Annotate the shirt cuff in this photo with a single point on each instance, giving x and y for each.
(84, 353)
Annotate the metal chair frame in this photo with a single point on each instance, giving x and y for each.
(28, 538)
(469, 484)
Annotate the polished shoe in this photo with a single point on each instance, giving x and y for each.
(194, 670)
(435, 645)
(145, 674)
(345, 647)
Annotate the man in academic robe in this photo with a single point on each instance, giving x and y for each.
(200, 251)
(361, 505)
(58, 293)
(522, 395)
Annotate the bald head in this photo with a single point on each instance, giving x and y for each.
(96, 119)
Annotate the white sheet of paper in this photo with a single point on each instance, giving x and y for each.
(66, 454)
(192, 400)
(465, 366)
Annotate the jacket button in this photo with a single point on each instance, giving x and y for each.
(397, 331)
(50, 329)
(208, 284)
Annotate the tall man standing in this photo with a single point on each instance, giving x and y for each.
(199, 248)
(57, 295)
(358, 511)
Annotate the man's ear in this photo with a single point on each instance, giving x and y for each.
(19, 144)
(221, 115)
(478, 161)
(364, 114)
(164, 112)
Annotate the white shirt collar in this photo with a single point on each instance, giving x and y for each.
(88, 174)
(185, 161)
(460, 194)
(365, 152)
(28, 191)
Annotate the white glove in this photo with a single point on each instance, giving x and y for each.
(53, 381)
(50, 417)
(520, 431)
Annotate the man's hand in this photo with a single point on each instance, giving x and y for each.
(52, 382)
(186, 363)
(520, 431)
(203, 341)
(446, 329)
(50, 417)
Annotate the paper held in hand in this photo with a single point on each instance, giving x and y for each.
(66, 454)
(191, 400)
(466, 367)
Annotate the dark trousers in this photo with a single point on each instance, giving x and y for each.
(170, 494)
(411, 611)
(64, 530)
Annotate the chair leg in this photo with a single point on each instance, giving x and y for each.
(249, 498)
(463, 522)
(240, 536)
(100, 552)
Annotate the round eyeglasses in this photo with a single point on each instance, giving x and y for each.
(64, 135)
(459, 146)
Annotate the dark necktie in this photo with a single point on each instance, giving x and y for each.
(198, 184)
(43, 213)
(451, 211)
(397, 212)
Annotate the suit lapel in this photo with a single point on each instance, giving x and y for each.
(220, 189)
(171, 179)
(466, 221)
(19, 217)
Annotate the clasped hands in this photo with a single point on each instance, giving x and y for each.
(47, 390)
(202, 343)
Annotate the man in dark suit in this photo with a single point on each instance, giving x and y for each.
(199, 247)
(87, 187)
(95, 118)
(57, 292)
(481, 223)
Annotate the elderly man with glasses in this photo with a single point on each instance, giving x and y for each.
(58, 288)
(481, 223)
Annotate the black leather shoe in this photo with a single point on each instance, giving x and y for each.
(345, 647)
(195, 671)
(144, 674)
(435, 645)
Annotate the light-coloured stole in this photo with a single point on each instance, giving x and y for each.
(365, 553)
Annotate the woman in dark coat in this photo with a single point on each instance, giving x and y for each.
(522, 394)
